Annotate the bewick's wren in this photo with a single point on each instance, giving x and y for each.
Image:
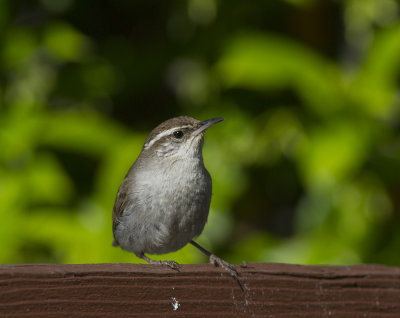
(163, 202)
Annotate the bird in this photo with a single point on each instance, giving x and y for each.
(163, 202)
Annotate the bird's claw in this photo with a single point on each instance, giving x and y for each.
(224, 264)
(216, 261)
(174, 265)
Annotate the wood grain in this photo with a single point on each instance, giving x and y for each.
(129, 290)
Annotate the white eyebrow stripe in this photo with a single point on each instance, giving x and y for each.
(163, 134)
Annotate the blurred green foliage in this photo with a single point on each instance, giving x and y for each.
(305, 168)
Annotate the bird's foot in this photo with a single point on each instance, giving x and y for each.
(174, 265)
(227, 266)
(224, 264)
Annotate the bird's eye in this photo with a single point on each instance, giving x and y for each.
(178, 134)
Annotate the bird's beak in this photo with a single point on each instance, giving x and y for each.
(203, 125)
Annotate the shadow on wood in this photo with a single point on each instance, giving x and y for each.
(272, 290)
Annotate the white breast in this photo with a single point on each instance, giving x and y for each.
(172, 204)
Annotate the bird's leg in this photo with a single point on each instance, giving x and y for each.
(174, 265)
(216, 261)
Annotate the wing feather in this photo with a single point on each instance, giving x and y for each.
(122, 201)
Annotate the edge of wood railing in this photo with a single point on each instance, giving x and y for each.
(270, 289)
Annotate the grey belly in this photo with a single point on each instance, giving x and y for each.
(157, 227)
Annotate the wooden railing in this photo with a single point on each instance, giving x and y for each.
(270, 290)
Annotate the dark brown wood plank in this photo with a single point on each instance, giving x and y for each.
(128, 290)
